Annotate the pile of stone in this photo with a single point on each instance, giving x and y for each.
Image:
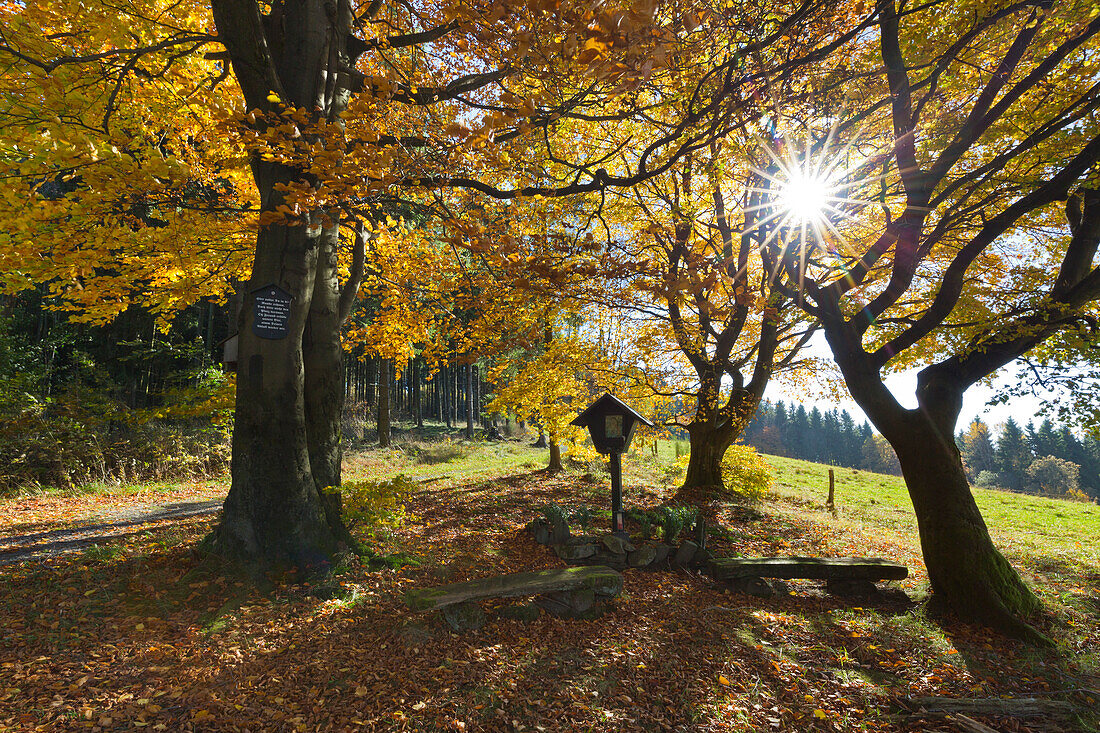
(616, 551)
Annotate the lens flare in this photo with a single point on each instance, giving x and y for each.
(805, 198)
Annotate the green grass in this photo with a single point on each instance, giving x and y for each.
(471, 461)
(1023, 525)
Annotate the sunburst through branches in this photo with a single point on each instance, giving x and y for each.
(804, 195)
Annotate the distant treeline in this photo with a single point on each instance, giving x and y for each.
(831, 437)
(1040, 459)
(1037, 458)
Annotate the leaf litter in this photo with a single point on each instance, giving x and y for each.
(142, 634)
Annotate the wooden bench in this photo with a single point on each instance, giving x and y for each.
(843, 575)
(577, 592)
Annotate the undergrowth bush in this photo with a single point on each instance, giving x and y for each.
(357, 421)
(375, 509)
(72, 442)
(745, 475)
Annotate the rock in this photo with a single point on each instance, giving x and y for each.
(779, 588)
(617, 545)
(685, 554)
(700, 530)
(521, 611)
(702, 556)
(597, 610)
(663, 551)
(570, 551)
(642, 557)
(753, 586)
(548, 533)
(555, 604)
(581, 600)
(857, 587)
(559, 533)
(810, 568)
(464, 616)
(611, 560)
(579, 604)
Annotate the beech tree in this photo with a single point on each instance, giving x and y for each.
(709, 251)
(339, 110)
(974, 132)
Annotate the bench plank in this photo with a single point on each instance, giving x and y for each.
(600, 579)
(810, 568)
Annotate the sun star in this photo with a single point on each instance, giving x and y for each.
(805, 197)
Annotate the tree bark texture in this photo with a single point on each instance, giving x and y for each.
(969, 576)
(716, 424)
(274, 515)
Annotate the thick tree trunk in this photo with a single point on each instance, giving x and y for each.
(286, 443)
(969, 576)
(708, 446)
(384, 403)
(716, 425)
(274, 515)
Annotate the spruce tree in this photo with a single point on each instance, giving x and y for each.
(1013, 455)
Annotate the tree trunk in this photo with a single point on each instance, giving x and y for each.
(555, 456)
(969, 576)
(418, 398)
(372, 381)
(716, 425)
(286, 436)
(324, 362)
(447, 386)
(454, 395)
(469, 402)
(383, 403)
(704, 469)
(274, 516)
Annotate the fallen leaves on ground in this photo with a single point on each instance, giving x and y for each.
(142, 635)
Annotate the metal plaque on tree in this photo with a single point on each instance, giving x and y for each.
(271, 312)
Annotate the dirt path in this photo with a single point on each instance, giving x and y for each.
(124, 522)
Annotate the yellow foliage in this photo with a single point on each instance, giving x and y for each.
(745, 475)
(376, 508)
